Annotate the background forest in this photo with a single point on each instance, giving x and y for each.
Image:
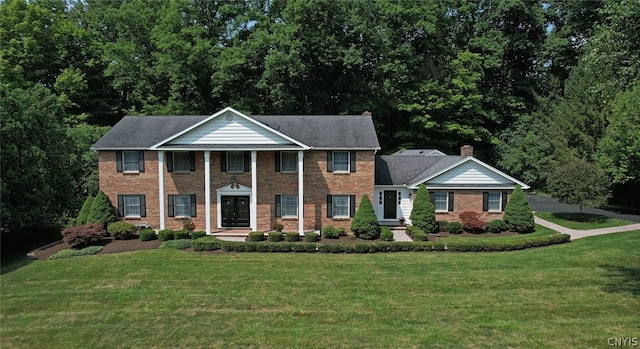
(533, 85)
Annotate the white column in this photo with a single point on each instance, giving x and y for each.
(161, 186)
(254, 191)
(207, 190)
(300, 192)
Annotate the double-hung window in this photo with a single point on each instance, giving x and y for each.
(440, 201)
(495, 201)
(340, 206)
(289, 161)
(131, 206)
(287, 206)
(340, 161)
(130, 161)
(181, 161)
(182, 206)
(235, 161)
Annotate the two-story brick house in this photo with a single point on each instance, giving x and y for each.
(229, 170)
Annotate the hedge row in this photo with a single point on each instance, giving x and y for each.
(211, 243)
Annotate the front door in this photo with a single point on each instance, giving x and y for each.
(235, 211)
(390, 206)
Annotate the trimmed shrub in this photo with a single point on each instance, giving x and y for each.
(330, 232)
(181, 235)
(87, 251)
(471, 222)
(342, 231)
(198, 234)
(165, 235)
(386, 234)
(291, 237)
(496, 226)
(311, 237)
(490, 245)
(518, 215)
(361, 248)
(454, 228)
(121, 230)
(179, 244)
(325, 248)
(411, 229)
(336, 248)
(439, 246)
(84, 211)
(147, 234)
(273, 236)
(423, 213)
(101, 210)
(443, 226)
(256, 236)
(365, 222)
(207, 243)
(419, 235)
(251, 246)
(84, 235)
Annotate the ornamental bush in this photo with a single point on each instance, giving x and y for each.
(165, 235)
(291, 236)
(256, 236)
(423, 213)
(471, 222)
(386, 234)
(365, 223)
(207, 243)
(180, 244)
(198, 234)
(454, 227)
(181, 235)
(84, 211)
(443, 226)
(518, 215)
(330, 232)
(496, 226)
(147, 234)
(121, 230)
(274, 236)
(311, 237)
(87, 251)
(84, 235)
(101, 210)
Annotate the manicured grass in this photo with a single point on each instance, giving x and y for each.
(574, 295)
(583, 221)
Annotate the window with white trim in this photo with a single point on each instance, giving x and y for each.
(289, 161)
(495, 201)
(441, 201)
(130, 161)
(181, 161)
(340, 161)
(289, 206)
(182, 206)
(235, 161)
(340, 206)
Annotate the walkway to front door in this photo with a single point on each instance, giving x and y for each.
(235, 211)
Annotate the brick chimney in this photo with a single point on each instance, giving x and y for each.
(466, 150)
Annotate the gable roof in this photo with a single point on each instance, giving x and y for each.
(301, 131)
(440, 171)
(419, 152)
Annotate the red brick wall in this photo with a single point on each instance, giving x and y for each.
(468, 200)
(317, 184)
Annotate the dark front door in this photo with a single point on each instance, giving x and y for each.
(390, 206)
(235, 211)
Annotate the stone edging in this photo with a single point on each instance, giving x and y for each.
(32, 255)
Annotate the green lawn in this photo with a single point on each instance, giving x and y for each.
(583, 221)
(574, 295)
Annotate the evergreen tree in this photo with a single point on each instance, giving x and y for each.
(84, 211)
(101, 210)
(365, 223)
(423, 214)
(518, 214)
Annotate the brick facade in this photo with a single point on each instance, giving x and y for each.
(318, 182)
(469, 200)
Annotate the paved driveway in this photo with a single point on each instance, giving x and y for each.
(549, 204)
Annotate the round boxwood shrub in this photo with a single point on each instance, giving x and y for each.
(256, 236)
(165, 235)
(518, 214)
(496, 226)
(291, 236)
(121, 230)
(365, 223)
(454, 227)
(423, 213)
(274, 236)
(311, 237)
(330, 232)
(443, 226)
(181, 234)
(147, 234)
(386, 234)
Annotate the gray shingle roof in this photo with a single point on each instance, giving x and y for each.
(406, 169)
(319, 131)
